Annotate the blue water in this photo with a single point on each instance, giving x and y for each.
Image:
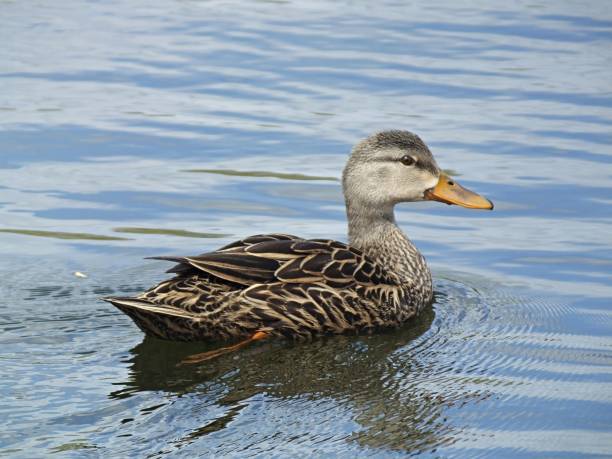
(106, 108)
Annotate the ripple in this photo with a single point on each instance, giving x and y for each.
(167, 231)
(514, 357)
(235, 173)
(395, 391)
(63, 235)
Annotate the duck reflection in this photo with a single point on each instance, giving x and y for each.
(381, 378)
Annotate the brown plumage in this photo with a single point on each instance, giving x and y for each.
(286, 286)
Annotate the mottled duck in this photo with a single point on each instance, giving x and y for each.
(278, 285)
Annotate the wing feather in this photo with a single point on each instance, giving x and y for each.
(259, 238)
(265, 259)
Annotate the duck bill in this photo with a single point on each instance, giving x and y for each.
(450, 192)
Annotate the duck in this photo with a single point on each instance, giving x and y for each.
(283, 286)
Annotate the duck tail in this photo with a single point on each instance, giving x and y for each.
(160, 321)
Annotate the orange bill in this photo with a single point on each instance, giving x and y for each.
(450, 192)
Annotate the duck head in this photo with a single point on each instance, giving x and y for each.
(396, 166)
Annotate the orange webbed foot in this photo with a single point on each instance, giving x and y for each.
(204, 356)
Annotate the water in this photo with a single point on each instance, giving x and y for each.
(110, 109)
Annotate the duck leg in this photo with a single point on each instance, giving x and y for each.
(203, 356)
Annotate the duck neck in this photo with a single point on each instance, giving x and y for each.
(373, 230)
(366, 225)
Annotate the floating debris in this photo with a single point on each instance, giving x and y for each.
(80, 274)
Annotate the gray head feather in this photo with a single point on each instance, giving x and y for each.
(376, 177)
(395, 143)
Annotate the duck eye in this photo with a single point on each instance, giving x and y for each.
(407, 160)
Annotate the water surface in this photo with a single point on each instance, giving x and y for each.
(152, 128)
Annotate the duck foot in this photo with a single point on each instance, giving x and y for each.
(203, 356)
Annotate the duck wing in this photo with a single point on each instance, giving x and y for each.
(265, 259)
(186, 267)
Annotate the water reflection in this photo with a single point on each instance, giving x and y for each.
(377, 377)
(387, 381)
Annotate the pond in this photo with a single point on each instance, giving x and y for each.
(135, 129)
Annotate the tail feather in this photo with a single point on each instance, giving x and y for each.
(144, 305)
(161, 321)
